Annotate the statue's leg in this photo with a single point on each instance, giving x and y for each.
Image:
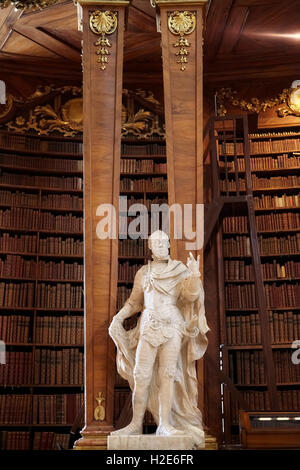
(145, 357)
(168, 357)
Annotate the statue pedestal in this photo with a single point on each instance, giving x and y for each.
(151, 442)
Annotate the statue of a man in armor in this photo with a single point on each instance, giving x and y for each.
(158, 356)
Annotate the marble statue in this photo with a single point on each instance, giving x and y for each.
(158, 356)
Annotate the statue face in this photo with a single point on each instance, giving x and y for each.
(160, 247)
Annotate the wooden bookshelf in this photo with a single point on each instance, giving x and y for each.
(41, 254)
(271, 178)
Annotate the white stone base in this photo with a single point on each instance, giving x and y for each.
(150, 442)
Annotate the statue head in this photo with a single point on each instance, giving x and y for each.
(159, 244)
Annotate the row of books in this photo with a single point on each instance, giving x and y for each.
(133, 247)
(244, 296)
(16, 294)
(58, 201)
(15, 409)
(127, 271)
(58, 367)
(65, 223)
(260, 146)
(275, 181)
(130, 165)
(18, 243)
(56, 409)
(15, 440)
(58, 330)
(285, 369)
(17, 266)
(21, 440)
(32, 143)
(20, 217)
(240, 244)
(283, 295)
(50, 441)
(44, 163)
(59, 182)
(247, 367)
(147, 149)
(275, 202)
(18, 368)
(48, 245)
(14, 328)
(61, 270)
(245, 329)
(48, 201)
(19, 198)
(270, 163)
(240, 270)
(144, 184)
(59, 296)
(61, 246)
(280, 182)
(67, 329)
(282, 221)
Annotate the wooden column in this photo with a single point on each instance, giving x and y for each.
(183, 78)
(102, 105)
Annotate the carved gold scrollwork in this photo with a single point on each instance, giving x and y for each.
(103, 22)
(27, 4)
(60, 110)
(182, 23)
(289, 98)
(99, 412)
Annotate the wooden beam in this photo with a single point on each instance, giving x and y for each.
(48, 42)
(8, 16)
(234, 27)
(215, 26)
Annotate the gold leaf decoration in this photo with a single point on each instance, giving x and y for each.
(182, 23)
(255, 105)
(103, 22)
(50, 110)
(31, 5)
(99, 412)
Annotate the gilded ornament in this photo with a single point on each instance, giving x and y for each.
(63, 113)
(103, 22)
(182, 23)
(255, 105)
(31, 5)
(99, 412)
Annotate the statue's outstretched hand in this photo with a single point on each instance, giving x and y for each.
(193, 264)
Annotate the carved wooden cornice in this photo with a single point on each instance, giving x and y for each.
(50, 110)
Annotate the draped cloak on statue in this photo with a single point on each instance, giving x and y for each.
(185, 414)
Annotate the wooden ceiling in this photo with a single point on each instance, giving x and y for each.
(242, 39)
